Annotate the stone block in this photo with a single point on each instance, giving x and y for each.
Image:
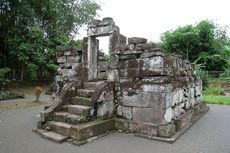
(157, 80)
(128, 52)
(90, 129)
(112, 75)
(106, 21)
(127, 57)
(102, 65)
(191, 92)
(122, 124)
(137, 40)
(179, 109)
(148, 115)
(59, 127)
(101, 75)
(58, 78)
(132, 63)
(166, 131)
(157, 88)
(105, 109)
(93, 23)
(125, 47)
(73, 59)
(67, 53)
(183, 120)
(143, 72)
(153, 62)
(197, 109)
(143, 128)
(177, 96)
(148, 100)
(102, 30)
(198, 90)
(119, 110)
(61, 59)
(131, 72)
(54, 136)
(121, 39)
(127, 112)
(154, 52)
(67, 72)
(169, 115)
(147, 46)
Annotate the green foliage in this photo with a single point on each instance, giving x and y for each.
(76, 43)
(210, 99)
(52, 67)
(30, 31)
(3, 72)
(108, 57)
(205, 41)
(212, 91)
(203, 75)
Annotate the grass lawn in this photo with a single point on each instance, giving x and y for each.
(212, 99)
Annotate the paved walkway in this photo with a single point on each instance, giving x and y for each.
(211, 134)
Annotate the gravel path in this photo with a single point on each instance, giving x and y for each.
(211, 134)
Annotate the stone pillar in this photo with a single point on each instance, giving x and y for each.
(92, 57)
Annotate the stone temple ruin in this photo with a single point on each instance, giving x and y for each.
(140, 89)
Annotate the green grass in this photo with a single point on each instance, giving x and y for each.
(212, 99)
(212, 91)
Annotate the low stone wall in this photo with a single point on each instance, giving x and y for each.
(10, 95)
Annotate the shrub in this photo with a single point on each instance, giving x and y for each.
(37, 91)
(203, 75)
(212, 91)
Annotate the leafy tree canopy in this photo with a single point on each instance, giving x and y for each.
(205, 41)
(30, 31)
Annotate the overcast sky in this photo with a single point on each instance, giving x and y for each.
(150, 18)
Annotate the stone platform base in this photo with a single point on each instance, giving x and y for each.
(163, 132)
(81, 134)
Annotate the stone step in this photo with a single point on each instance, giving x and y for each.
(85, 92)
(82, 101)
(59, 127)
(75, 119)
(60, 116)
(90, 129)
(82, 110)
(54, 136)
(92, 85)
(67, 117)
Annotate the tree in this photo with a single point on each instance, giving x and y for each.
(30, 31)
(205, 41)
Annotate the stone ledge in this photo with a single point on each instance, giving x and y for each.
(87, 132)
(179, 133)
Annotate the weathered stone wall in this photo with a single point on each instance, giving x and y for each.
(69, 60)
(153, 87)
(102, 66)
(147, 91)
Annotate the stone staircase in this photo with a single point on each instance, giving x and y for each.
(78, 119)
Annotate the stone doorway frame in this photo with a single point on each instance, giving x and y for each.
(99, 28)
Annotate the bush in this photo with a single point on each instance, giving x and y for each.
(3, 72)
(212, 91)
(203, 75)
(37, 91)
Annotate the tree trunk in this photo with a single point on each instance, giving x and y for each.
(22, 72)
